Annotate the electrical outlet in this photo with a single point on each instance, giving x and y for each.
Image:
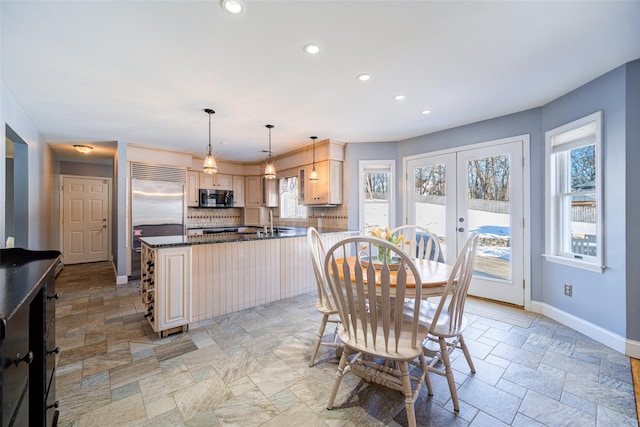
(568, 289)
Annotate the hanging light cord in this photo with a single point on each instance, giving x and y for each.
(209, 147)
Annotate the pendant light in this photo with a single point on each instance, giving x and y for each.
(313, 177)
(269, 170)
(210, 166)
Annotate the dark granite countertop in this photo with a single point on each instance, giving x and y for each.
(20, 271)
(284, 232)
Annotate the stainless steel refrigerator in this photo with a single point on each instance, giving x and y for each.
(157, 209)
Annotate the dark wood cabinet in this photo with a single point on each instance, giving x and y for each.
(27, 337)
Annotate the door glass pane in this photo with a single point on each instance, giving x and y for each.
(488, 215)
(376, 196)
(430, 187)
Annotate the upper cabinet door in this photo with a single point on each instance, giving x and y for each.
(193, 187)
(238, 191)
(327, 191)
(218, 181)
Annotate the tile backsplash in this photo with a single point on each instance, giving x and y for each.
(320, 217)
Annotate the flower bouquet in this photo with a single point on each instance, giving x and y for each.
(383, 252)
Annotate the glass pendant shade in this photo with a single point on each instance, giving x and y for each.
(210, 166)
(313, 176)
(270, 169)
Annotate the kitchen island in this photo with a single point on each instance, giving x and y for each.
(191, 279)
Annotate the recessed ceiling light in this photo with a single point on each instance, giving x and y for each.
(398, 97)
(312, 49)
(232, 6)
(364, 77)
(425, 112)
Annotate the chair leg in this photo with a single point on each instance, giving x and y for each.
(339, 373)
(449, 374)
(323, 325)
(467, 356)
(427, 378)
(408, 393)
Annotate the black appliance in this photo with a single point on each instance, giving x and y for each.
(216, 198)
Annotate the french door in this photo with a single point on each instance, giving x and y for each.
(479, 189)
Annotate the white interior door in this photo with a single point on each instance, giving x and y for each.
(85, 219)
(479, 189)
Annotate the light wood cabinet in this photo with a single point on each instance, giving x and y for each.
(327, 191)
(238, 191)
(217, 181)
(270, 192)
(193, 187)
(252, 192)
(260, 192)
(166, 288)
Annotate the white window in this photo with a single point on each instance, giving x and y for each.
(574, 193)
(377, 206)
(289, 207)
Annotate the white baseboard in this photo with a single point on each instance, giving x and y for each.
(614, 341)
(120, 280)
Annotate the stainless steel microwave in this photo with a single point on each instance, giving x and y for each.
(216, 198)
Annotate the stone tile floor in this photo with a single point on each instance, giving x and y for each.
(251, 368)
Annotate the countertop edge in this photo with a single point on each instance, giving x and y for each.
(177, 241)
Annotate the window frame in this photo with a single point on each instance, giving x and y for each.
(381, 166)
(558, 143)
(300, 209)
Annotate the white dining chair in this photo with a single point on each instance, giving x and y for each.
(447, 321)
(380, 341)
(419, 242)
(324, 304)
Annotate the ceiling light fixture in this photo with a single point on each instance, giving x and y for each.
(232, 6)
(398, 97)
(84, 149)
(364, 77)
(313, 176)
(269, 170)
(210, 167)
(312, 49)
(425, 112)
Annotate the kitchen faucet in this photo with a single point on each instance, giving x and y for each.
(271, 220)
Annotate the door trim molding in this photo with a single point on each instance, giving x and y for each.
(526, 205)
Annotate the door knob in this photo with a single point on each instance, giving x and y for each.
(461, 229)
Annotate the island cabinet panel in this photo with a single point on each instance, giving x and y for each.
(229, 277)
(234, 276)
(166, 288)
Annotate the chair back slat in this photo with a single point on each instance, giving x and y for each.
(458, 285)
(370, 298)
(419, 242)
(318, 253)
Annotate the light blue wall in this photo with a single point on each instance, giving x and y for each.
(633, 200)
(597, 298)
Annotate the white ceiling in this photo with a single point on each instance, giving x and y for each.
(143, 71)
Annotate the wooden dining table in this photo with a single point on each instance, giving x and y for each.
(433, 276)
